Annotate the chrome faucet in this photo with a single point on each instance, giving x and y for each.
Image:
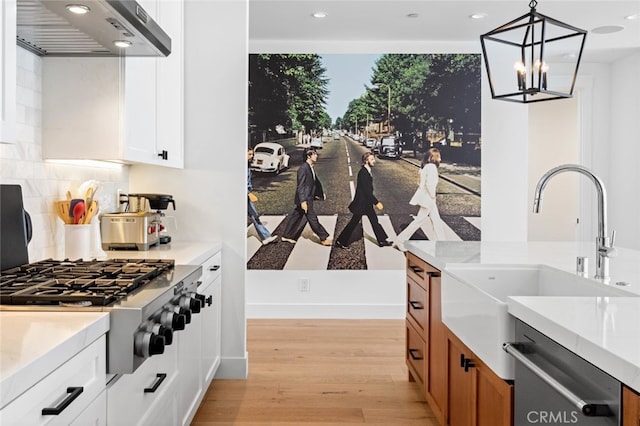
(604, 244)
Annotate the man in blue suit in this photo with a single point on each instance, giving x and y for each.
(308, 189)
(362, 205)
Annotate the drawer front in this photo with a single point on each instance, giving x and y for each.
(419, 270)
(132, 396)
(416, 353)
(211, 268)
(86, 370)
(418, 306)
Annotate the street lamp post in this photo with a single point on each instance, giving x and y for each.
(388, 103)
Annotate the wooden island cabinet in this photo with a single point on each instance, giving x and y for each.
(630, 407)
(459, 387)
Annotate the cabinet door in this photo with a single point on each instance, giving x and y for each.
(461, 396)
(190, 368)
(437, 377)
(630, 407)
(494, 398)
(210, 330)
(8, 71)
(95, 414)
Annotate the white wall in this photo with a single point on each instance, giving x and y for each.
(45, 182)
(210, 192)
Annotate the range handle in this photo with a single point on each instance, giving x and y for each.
(589, 409)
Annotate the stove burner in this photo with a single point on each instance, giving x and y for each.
(80, 283)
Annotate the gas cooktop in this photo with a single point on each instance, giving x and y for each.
(77, 283)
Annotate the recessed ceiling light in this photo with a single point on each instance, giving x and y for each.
(412, 15)
(320, 15)
(607, 29)
(122, 43)
(78, 9)
(632, 17)
(478, 15)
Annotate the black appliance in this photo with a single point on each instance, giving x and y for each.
(15, 228)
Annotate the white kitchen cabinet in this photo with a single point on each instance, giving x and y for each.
(95, 414)
(118, 109)
(70, 388)
(211, 288)
(8, 71)
(147, 396)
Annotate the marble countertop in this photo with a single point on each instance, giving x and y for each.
(183, 252)
(603, 330)
(32, 344)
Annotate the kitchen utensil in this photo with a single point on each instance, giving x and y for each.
(62, 209)
(78, 211)
(91, 212)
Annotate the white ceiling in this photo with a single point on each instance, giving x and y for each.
(388, 20)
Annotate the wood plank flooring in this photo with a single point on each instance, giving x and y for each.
(317, 372)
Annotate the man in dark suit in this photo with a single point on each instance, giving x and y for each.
(308, 189)
(362, 205)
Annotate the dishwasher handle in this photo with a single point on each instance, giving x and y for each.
(589, 409)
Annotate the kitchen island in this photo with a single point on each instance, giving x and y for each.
(602, 330)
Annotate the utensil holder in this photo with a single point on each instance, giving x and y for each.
(77, 242)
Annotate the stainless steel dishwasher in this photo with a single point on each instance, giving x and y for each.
(554, 386)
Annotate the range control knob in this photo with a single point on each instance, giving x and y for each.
(161, 330)
(200, 298)
(147, 344)
(184, 312)
(171, 319)
(189, 303)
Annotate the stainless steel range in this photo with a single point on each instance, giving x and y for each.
(148, 300)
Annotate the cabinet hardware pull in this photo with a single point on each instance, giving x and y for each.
(588, 409)
(214, 268)
(209, 300)
(415, 305)
(462, 360)
(159, 379)
(468, 363)
(433, 274)
(416, 269)
(415, 357)
(164, 154)
(73, 392)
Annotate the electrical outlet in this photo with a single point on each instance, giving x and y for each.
(304, 285)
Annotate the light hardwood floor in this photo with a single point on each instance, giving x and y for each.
(315, 372)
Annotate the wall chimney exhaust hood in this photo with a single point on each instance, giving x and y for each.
(102, 28)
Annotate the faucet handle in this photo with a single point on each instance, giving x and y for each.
(613, 238)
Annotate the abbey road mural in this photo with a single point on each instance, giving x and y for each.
(349, 156)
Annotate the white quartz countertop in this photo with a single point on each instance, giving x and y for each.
(603, 330)
(32, 344)
(183, 252)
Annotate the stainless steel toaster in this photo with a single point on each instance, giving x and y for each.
(129, 231)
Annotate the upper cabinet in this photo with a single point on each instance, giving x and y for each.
(118, 109)
(8, 71)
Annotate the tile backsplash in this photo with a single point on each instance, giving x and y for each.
(44, 182)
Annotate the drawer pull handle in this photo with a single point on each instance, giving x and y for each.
(416, 269)
(159, 379)
(413, 356)
(209, 300)
(433, 274)
(468, 364)
(73, 392)
(416, 305)
(214, 268)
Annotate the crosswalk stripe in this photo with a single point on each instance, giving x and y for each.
(381, 257)
(253, 241)
(308, 253)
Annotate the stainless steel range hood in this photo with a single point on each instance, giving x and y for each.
(48, 28)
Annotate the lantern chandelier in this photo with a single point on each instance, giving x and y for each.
(533, 58)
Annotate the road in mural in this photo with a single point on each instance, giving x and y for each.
(402, 106)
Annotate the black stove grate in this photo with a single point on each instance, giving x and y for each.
(97, 283)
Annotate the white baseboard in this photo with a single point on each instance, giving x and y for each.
(333, 311)
(233, 368)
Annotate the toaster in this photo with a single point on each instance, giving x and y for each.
(129, 231)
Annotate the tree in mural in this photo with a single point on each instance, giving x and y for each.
(286, 90)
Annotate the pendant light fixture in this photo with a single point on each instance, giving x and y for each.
(533, 58)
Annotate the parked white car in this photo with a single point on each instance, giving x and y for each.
(316, 143)
(269, 157)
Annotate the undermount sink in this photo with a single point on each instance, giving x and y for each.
(474, 303)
